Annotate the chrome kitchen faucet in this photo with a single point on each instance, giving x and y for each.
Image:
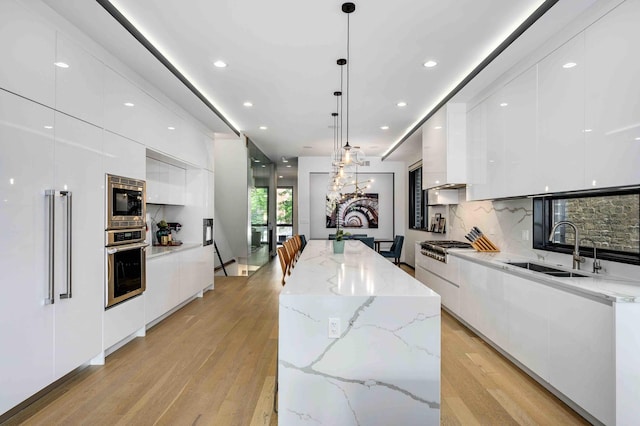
(577, 259)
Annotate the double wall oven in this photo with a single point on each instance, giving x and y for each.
(125, 235)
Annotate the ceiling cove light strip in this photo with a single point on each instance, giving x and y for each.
(531, 19)
(122, 20)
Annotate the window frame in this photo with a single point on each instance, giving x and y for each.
(543, 223)
(412, 200)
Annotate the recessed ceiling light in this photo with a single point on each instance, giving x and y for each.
(438, 127)
(588, 130)
(220, 64)
(248, 104)
(264, 165)
(171, 128)
(288, 165)
(637, 139)
(61, 64)
(129, 104)
(401, 104)
(504, 104)
(569, 65)
(384, 127)
(48, 127)
(594, 183)
(284, 160)
(430, 64)
(280, 177)
(263, 127)
(256, 161)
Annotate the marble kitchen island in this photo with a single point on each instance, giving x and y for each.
(383, 365)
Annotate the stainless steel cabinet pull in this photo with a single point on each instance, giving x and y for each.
(50, 194)
(67, 194)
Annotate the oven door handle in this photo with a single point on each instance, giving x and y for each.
(113, 250)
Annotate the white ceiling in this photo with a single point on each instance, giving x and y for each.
(282, 54)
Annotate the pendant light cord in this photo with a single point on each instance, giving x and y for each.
(348, 65)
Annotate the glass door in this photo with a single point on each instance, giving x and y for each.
(259, 227)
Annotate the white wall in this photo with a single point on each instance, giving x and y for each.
(231, 195)
(309, 165)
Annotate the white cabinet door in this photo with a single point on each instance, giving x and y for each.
(26, 323)
(27, 49)
(520, 134)
(581, 354)
(477, 185)
(612, 107)
(79, 88)
(448, 291)
(163, 286)
(209, 195)
(79, 169)
(434, 150)
(123, 157)
(153, 184)
(561, 143)
(528, 326)
(495, 160)
(177, 180)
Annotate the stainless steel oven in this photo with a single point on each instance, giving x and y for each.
(126, 202)
(126, 265)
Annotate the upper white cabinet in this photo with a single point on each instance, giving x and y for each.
(123, 157)
(79, 86)
(518, 103)
(612, 107)
(444, 150)
(166, 183)
(27, 48)
(561, 149)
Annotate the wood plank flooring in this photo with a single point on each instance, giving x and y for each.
(213, 362)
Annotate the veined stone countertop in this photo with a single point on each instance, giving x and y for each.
(155, 251)
(614, 289)
(383, 364)
(360, 271)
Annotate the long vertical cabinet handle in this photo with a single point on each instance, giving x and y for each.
(67, 194)
(51, 194)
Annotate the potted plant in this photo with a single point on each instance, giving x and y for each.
(163, 233)
(338, 243)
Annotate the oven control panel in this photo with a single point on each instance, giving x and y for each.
(125, 236)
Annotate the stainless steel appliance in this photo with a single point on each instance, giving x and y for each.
(126, 264)
(126, 206)
(207, 232)
(437, 249)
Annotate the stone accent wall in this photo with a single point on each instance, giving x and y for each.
(610, 221)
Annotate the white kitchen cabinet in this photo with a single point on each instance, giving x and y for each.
(483, 297)
(41, 342)
(197, 271)
(477, 184)
(444, 147)
(79, 88)
(612, 109)
(521, 173)
(27, 48)
(78, 168)
(123, 157)
(124, 107)
(177, 180)
(153, 181)
(581, 357)
(561, 139)
(163, 286)
(165, 183)
(26, 323)
(209, 211)
(448, 291)
(528, 327)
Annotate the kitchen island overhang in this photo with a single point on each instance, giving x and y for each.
(384, 365)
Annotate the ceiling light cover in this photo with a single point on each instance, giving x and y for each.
(569, 65)
(430, 64)
(384, 127)
(61, 64)
(263, 127)
(171, 128)
(220, 64)
(248, 104)
(401, 104)
(129, 104)
(504, 104)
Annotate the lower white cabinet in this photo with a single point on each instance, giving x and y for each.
(567, 339)
(174, 278)
(581, 357)
(448, 291)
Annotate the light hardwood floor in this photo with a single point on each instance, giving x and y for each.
(213, 362)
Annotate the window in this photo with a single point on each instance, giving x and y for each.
(259, 215)
(610, 221)
(417, 200)
(284, 212)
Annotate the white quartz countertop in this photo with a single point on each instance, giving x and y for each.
(615, 289)
(360, 271)
(155, 251)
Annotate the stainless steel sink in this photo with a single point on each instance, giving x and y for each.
(545, 269)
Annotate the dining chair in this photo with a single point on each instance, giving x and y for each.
(303, 240)
(284, 261)
(395, 250)
(332, 236)
(370, 241)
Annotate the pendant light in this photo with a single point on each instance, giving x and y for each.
(348, 8)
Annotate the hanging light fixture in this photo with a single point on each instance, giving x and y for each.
(348, 8)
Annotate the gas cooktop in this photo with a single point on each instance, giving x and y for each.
(445, 244)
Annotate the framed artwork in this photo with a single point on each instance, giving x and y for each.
(353, 211)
